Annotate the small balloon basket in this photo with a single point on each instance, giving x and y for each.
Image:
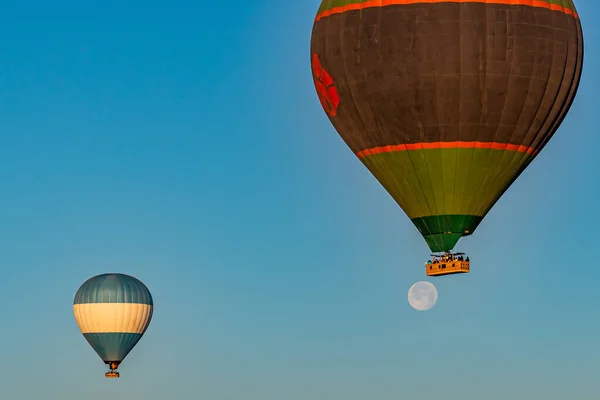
(113, 370)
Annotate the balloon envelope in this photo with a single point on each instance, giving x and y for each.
(446, 103)
(113, 311)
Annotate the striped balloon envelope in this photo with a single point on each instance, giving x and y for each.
(113, 311)
(446, 102)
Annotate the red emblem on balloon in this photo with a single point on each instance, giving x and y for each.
(328, 94)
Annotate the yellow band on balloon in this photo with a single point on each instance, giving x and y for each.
(112, 317)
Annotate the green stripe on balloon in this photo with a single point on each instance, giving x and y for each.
(446, 190)
(442, 232)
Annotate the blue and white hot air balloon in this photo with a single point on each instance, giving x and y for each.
(113, 311)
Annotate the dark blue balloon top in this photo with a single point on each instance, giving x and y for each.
(113, 288)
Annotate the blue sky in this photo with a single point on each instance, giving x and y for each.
(183, 143)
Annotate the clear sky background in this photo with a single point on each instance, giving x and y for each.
(182, 142)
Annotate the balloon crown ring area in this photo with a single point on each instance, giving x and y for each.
(447, 263)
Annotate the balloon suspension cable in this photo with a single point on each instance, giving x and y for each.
(448, 254)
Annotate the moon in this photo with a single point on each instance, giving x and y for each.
(422, 296)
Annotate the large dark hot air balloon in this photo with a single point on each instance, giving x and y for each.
(446, 102)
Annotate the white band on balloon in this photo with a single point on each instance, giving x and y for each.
(112, 317)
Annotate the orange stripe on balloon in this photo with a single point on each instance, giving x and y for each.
(383, 3)
(446, 145)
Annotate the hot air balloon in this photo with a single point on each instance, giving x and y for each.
(446, 102)
(113, 311)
